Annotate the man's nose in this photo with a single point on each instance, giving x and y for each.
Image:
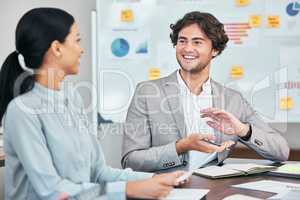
(188, 47)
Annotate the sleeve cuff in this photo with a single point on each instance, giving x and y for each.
(248, 135)
(172, 159)
(116, 190)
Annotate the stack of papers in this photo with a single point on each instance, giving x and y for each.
(281, 188)
(230, 170)
(186, 194)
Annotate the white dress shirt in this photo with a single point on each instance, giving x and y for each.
(192, 104)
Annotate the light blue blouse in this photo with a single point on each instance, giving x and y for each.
(49, 149)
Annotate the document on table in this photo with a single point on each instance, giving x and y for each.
(240, 196)
(217, 172)
(281, 188)
(290, 195)
(186, 194)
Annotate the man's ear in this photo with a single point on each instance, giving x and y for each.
(215, 53)
(56, 48)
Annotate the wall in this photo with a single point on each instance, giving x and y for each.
(11, 12)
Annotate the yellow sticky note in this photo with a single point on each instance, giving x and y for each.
(154, 73)
(273, 21)
(286, 103)
(237, 72)
(255, 21)
(127, 15)
(242, 2)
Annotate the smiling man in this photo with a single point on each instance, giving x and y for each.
(187, 119)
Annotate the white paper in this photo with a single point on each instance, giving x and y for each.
(215, 171)
(280, 188)
(240, 196)
(245, 167)
(289, 195)
(186, 194)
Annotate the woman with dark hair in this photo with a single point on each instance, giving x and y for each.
(50, 152)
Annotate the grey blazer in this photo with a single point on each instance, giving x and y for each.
(155, 121)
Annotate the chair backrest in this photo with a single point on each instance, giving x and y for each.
(110, 136)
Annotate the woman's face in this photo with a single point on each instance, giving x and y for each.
(71, 51)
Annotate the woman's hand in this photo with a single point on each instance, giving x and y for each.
(158, 186)
(63, 196)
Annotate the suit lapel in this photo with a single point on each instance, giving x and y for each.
(218, 100)
(172, 93)
(217, 103)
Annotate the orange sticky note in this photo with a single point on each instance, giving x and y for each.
(255, 21)
(154, 73)
(127, 15)
(273, 21)
(237, 72)
(286, 103)
(242, 2)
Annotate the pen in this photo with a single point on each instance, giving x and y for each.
(211, 142)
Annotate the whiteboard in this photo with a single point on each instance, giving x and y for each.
(133, 40)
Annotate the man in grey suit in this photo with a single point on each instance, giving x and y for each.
(187, 119)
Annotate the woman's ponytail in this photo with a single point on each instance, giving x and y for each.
(11, 85)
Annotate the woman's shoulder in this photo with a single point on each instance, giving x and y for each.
(25, 103)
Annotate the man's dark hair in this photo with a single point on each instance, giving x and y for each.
(210, 25)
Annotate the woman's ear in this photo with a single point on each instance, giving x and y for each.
(56, 49)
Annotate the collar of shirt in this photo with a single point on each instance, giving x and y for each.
(206, 87)
(54, 96)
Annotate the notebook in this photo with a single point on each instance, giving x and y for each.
(231, 170)
(287, 170)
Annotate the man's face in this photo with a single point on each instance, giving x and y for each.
(194, 49)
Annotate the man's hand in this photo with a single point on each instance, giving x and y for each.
(225, 122)
(197, 142)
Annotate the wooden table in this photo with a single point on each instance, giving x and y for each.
(221, 188)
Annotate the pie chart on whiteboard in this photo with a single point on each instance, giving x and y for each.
(120, 47)
(293, 8)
